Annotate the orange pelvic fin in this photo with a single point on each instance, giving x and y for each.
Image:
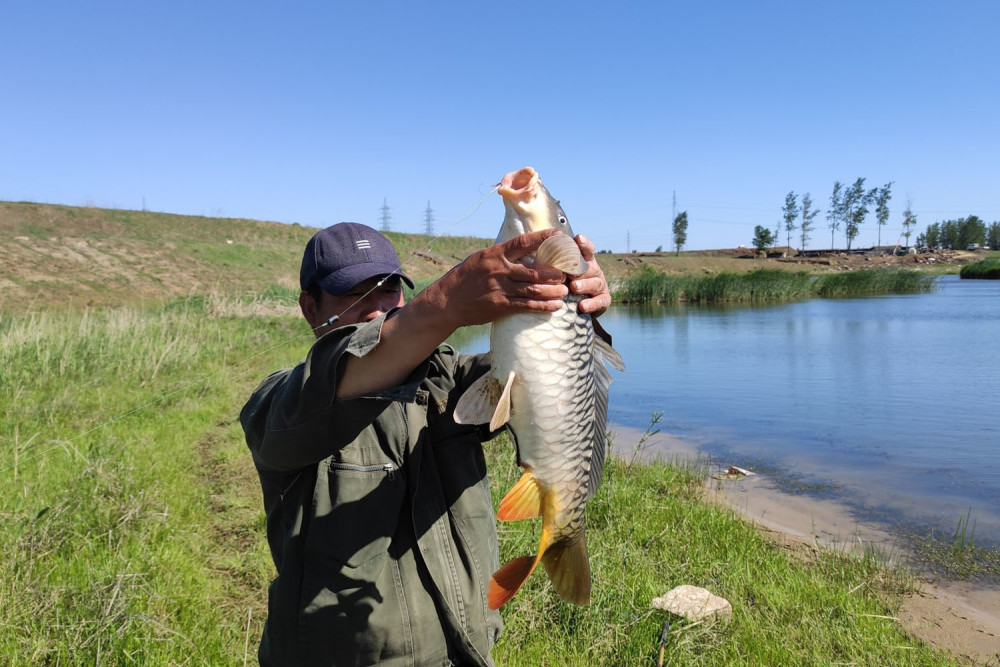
(523, 501)
(507, 581)
(568, 568)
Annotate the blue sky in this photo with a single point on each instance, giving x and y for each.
(313, 112)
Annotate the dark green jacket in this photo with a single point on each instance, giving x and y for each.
(379, 515)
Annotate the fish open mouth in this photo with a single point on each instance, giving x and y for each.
(520, 186)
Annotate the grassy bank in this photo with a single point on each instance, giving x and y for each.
(986, 269)
(130, 528)
(765, 286)
(132, 531)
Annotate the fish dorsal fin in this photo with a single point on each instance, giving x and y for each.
(609, 354)
(602, 379)
(485, 401)
(561, 252)
(523, 501)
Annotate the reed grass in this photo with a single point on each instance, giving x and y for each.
(764, 286)
(871, 282)
(988, 268)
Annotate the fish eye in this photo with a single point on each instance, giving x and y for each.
(562, 220)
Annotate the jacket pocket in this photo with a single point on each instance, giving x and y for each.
(358, 511)
(462, 468)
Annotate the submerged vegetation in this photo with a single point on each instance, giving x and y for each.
(132, 529)
(988, 268)
(766, 286)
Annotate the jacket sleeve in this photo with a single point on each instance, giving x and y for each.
(294, 419)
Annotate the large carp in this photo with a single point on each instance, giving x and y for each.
(549, 382)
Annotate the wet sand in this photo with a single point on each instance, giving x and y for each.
(958, 617)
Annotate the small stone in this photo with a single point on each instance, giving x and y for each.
(695, 604)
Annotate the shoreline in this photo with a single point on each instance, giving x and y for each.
(958, 617)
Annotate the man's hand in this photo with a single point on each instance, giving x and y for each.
(592, 283)
(494, 283)
(490, 284)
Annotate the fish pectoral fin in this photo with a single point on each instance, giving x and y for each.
(502, 413)
(523, 501)
(561, 252)
(507, 581)
(568, 568)
(478, 403)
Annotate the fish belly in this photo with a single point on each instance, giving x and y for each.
(552, 405)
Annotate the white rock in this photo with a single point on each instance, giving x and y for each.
(695, 604)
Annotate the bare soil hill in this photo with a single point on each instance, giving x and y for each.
(55, 255)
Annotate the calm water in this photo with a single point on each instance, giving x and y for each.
(887, 403)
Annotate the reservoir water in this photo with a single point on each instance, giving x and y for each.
(888, 404)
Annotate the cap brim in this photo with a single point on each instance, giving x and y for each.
(340, 282)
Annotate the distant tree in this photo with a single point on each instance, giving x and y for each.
(949, 234)
(932, 235)
(835, 213)
(680, 230)
(808, 213)
(882, 197)
(922, 240)
(971, 230)
(791, 213)
(659, 248)
(993, 235)
(762, 237)
(909, 222)
(855, 208)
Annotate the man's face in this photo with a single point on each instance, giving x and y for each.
(363, 303)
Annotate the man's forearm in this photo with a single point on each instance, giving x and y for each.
(408, 337)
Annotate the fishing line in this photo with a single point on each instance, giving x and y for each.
(332, 320)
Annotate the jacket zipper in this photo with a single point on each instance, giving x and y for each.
(389, 468)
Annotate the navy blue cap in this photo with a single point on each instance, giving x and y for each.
(341, 256)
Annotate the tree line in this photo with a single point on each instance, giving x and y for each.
(960, 234)
(849, 208)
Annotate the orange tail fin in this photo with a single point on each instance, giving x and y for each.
(506, 581)
(568, 568)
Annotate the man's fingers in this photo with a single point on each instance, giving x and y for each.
(596, 305)
(586, 247)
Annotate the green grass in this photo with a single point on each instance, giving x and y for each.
(988, 268)
(131, 528)
(649, 530)
(119, 451)
(765, 286)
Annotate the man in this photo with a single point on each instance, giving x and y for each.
(378, 507)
